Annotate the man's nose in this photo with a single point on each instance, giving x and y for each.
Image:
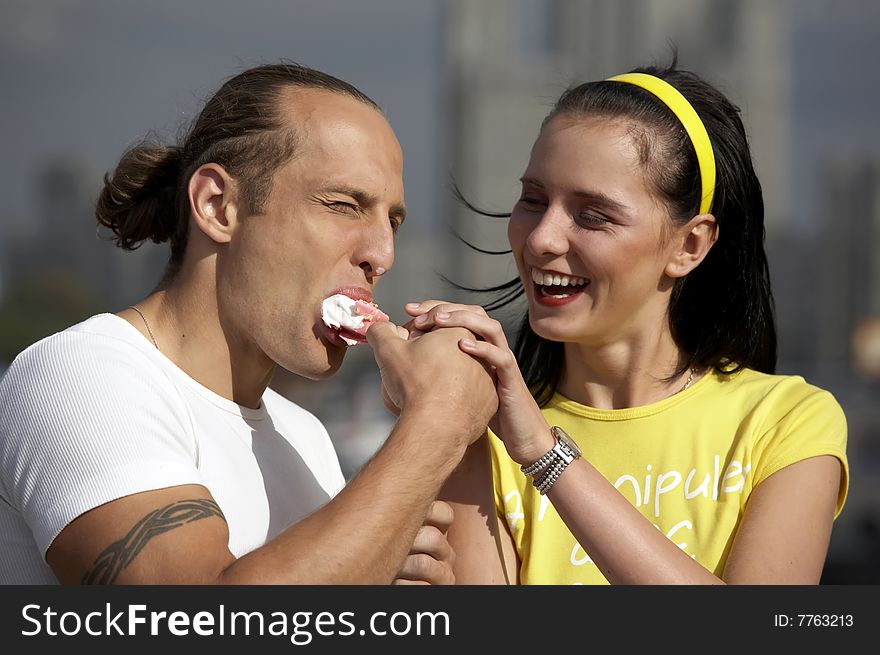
(377, 253)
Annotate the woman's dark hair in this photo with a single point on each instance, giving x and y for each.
(240, 128)
(721, 313)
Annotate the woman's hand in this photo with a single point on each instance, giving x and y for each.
(519, 422)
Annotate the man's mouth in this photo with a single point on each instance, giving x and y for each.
(348, 316)
(355, 293)
(349, 337)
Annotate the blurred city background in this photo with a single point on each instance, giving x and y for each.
(465, 84)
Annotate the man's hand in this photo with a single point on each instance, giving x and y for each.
(519, 421)
(431, 558)
(389, 403)
(432, 377)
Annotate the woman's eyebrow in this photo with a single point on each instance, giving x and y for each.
(596, 197)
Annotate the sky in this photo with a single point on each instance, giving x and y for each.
(836, 97)
(82, 79)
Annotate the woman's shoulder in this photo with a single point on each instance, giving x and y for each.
(778, 395)
(774, 384)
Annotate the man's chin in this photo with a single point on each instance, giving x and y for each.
(319, 369)
(322, 374)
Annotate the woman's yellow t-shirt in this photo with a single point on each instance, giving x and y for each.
(688, 463)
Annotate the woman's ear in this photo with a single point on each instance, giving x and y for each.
(213, 201)
(693, 242)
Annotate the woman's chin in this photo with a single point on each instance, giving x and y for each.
(546, 330)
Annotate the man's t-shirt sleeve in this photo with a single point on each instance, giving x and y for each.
(87, 419)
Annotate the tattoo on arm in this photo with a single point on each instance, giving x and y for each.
(118, 555)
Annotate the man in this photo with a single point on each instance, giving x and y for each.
(145, 447)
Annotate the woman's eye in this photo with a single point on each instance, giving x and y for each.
(590, 220)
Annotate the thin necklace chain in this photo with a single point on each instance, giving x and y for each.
(157, 345)
(686, 384)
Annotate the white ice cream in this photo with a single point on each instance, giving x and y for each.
(338, 311)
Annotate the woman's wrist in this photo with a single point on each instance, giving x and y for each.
(540, 441)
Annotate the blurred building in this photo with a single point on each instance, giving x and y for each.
(847, 267)
(801, 71)
(63, 236)
(62, 233)
(512, 59)
(778, 61)
(57, 271)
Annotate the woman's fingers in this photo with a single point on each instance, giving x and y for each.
(501, 360)
(417, 309)
(480, 324)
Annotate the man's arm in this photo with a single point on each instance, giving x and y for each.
(178, 535)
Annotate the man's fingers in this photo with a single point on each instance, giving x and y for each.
(424, 569)
(440, 515)
(389, 402)
(432, 541)
(380, 335)
(431, 557)
(404, 581)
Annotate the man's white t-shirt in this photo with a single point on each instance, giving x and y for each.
(96, 412)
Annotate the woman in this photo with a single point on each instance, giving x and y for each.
(650, 342)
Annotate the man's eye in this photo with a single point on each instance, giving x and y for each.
(344, 207)
(530, 202)
(396, 222)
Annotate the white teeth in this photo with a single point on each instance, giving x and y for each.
(546, 279)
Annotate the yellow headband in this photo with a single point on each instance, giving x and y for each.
(672, 98)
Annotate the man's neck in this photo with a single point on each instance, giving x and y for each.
(185, 321)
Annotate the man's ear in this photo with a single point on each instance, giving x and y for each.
(213, 201)
(693, 242)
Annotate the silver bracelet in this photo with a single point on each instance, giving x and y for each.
(539, 464)
(550, 477)
(547, 469)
